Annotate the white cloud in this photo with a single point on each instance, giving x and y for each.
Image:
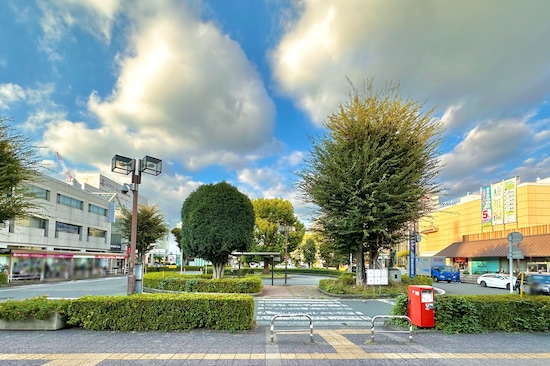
(483, 152)
(185, 91)
(294, 159)
(10, 93)
(493, 67)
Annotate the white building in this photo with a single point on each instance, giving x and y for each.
(71, 226)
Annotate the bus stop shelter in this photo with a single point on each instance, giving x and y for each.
(274, 256)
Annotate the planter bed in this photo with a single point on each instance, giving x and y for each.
(55, 322)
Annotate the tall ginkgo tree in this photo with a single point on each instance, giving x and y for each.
(369, 173)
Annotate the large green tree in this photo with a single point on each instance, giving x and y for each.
(275, 223)
(18, 164)
(217, 219)
(151, 227)
(309, 250)
(369, 173)
(177, 234)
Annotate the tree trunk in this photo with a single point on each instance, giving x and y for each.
(266, 266)
(217, 270)
(359, 266)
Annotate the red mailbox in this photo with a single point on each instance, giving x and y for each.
(421, 306)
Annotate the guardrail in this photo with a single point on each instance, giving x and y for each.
(273, 331)
(375, 318)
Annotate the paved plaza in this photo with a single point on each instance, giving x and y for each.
(341, 336)
(75, 347)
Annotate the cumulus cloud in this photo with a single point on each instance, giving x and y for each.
(491, 63)
(10, 93)
(184, 90)
(482, 153)
(294, 159)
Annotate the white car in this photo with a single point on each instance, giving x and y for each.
(495, 280)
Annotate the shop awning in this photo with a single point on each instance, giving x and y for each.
(531, 246)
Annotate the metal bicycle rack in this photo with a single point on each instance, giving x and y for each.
(273, 331)
(373, 321)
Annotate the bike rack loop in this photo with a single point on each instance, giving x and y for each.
(372, 330)
(292, 330)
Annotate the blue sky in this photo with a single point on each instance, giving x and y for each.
(233, 89)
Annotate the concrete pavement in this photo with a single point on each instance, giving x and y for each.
(330, 347)
(342, 345)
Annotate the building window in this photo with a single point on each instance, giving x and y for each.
(39, 192)
(97, 210)
(96, 233)
(69, 201)
(61, 227)
(34, 222)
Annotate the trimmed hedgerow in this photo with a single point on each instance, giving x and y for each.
(162, 312)
(202, 283)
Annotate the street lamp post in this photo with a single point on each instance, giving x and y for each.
(123, 165)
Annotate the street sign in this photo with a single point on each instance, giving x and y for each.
(516, 253)
(515, 237)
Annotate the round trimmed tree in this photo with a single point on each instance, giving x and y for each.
(217, 219)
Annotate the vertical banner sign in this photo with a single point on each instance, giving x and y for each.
(510, 186)
(486, 215)
(497, 203)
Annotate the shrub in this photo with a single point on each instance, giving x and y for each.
(36, 308)
(486, 313)
(345, 285)
(202, 283)
(162, 312)
(3, 278)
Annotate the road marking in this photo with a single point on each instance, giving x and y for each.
(323, 311)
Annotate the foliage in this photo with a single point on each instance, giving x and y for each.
(217, 219)
(18, 164)
(177, 234)
(369, 172)
(3, 278)
(162, 312)
(36, 308)
(272, 214)
(329, 255)
(346, 285)
(308, 251)
(486, 313)
(151, 227)
(202, 283)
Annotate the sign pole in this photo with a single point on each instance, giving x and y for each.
(511, 263)
(513, 238)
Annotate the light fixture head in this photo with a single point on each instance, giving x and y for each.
(122, 164)
(150, 165)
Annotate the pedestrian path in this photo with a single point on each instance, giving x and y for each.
(330, 347)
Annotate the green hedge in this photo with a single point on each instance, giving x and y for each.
(37, 307)
(3, 278)
(162, 312)
(202, 283)
(345, 285)
(487, 313)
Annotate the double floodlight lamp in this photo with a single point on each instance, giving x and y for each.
(124, 165)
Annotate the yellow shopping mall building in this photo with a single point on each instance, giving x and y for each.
(472, 231)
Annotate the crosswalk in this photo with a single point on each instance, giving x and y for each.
(324, 312)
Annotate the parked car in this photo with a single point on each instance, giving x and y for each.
(495, 280)
(534, 283)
